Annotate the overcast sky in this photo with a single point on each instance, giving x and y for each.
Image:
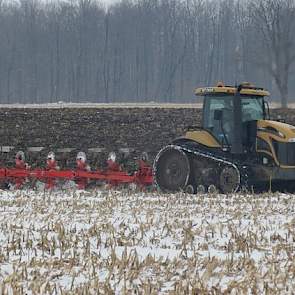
(109, 1)
(104, 1)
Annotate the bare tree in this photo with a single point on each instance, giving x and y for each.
(141, 50)
(275, 21)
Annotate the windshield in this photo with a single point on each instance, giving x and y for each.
(252, 108)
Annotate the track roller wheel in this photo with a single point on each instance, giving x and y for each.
(190, 189)
(201, 189)
(229, 180)
(172, 169)
(212, 189)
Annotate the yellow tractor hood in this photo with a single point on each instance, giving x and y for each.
(277, 130)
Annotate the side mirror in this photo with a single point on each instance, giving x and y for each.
(218, 115)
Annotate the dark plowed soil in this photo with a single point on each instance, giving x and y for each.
(139, 129)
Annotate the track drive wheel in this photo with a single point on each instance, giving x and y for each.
(229, 180)
(172, 169)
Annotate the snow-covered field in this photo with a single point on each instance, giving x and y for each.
(77, 242)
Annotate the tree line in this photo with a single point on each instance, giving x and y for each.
(143, 50)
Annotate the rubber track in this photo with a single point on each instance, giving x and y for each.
(188, 148)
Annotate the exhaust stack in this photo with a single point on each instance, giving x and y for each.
(237, 145)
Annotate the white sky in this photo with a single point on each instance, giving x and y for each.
(104, 1)
(109, 1)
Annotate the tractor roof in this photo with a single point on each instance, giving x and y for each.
(220, 88)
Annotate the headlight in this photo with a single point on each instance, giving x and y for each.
(281, 134)
(272, 131)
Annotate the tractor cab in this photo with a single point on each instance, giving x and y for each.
(230, 114)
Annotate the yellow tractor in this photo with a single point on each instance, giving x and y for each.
(237, 147)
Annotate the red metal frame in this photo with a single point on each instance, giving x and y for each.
(113, 175)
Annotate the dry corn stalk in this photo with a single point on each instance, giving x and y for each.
(146, 243)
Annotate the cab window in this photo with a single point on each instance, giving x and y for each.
(225, 104)
(252, 109)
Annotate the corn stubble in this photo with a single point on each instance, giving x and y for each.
(146, 243)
